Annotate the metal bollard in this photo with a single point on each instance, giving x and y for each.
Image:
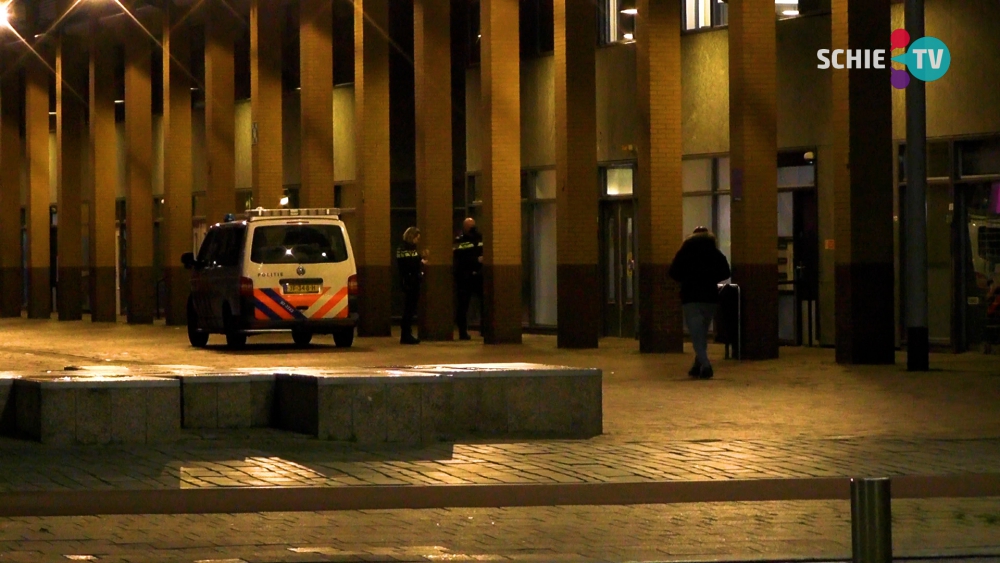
(871, 521)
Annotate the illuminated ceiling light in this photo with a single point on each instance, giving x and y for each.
(5, 14)
(630, 11)
(629, 37)
(787, 2)
(790, 13)
(119, 101)
(52, 113)
(284, 200)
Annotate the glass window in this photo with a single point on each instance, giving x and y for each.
(545, 184)
(629, 272)
(697, 212)
(938, 165)
(612, 264)
(786, 214)
(796, 176)
(544, 264)
(617, 20)
(723, 173)
(723, 227)
(699, 14)
(696, 175)
(619, 181)
(980, 158)
(298, 244)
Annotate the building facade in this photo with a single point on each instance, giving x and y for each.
(586, 139)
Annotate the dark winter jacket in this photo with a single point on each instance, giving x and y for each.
(467, 250)
(408, 262)
(699, 266)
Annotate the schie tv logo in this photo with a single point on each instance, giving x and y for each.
(927, 59)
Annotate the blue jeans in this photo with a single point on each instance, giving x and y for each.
(698, 317)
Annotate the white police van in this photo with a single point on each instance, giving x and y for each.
(274, 270)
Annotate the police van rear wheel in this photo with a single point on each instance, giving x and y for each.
(234, 339)
(344, 337)
(302, 337)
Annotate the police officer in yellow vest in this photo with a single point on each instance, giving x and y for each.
(468, 252)
(410, 263)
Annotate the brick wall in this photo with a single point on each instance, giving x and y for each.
(104, 167)
(220, 113)
(316, 76)
(139, 176)
(267, 155)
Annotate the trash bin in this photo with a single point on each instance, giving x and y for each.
(728, 325)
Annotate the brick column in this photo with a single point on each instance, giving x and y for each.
(71, 76)
(659, 207)
(104, 168)
(432, 69)
(753, 142)
(863, 189)
(501, 170)
(267, 176)
(177, 177)
(36, 116)
(371, 129)
(579, 307)
(220, 112)
(140, 285)
(11, 281)
(316, 77)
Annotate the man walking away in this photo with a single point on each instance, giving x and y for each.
(468, 252)
(699, 266)
(409, 262)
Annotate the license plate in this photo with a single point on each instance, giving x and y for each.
(299, 288)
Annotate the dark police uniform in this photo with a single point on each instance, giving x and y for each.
(409, 262)
(468, 277)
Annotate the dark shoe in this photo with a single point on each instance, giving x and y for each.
(706, 373)
(695, 370)
(407, 339)
(464, 337)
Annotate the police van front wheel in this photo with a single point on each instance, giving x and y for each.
(198, 338)
(344, 337)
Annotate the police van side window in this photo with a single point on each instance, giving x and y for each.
(231, 249)
(205, 253)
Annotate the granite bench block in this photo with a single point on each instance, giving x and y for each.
(239, 400)
(8, 416)
(73, 410)
(437, 412)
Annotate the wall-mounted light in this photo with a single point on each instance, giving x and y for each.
(628, 37)
(119, 101)
(790, 13)
(284, 201)
(628, 7)
(5, 14)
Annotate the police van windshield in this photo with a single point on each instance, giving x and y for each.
(298, 244)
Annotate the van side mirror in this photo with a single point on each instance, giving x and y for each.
(188, 260)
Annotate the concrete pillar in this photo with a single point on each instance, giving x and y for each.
(71, 77)
(501, 170)
(371, 128)
(140, 285)
(863, 193)
(36, 116)
(267, 178)
(177, 177)
(579, 309)
(753, 142)
(316, 81)
(432, 70)
(220, 111)
(104, 168)
(11, 281)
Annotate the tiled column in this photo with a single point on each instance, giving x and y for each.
(659, 206)
(36, 116)
(432, 69)
(71, 77)
(501, 170)
(177, 177)
(753, 141)
(11, 282)
(140, 285)
(104, 167)
(316, 77)
(220, 111)
(863, 153)
(371, 128)
(579, 309)
(266, 21)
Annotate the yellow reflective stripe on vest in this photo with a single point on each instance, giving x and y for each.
(407, 254)
(465, 246)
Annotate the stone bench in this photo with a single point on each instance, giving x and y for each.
(97, 409)
(8, 419)
(227, 400)
(422, 404)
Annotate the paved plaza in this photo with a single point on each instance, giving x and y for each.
(800, 416)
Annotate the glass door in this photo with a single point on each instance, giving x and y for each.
(618, 266)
